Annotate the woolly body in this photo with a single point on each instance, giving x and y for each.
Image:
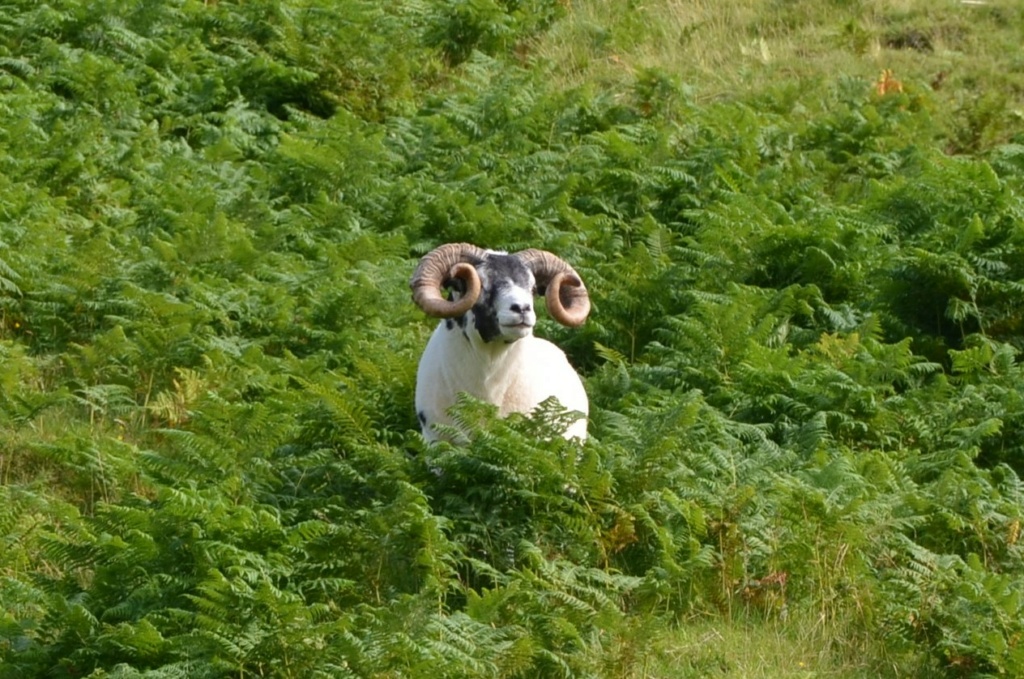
(490, 353)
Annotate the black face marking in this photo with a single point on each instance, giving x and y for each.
(450, 323)
(486, 322)
(501, 272)
(422, 417)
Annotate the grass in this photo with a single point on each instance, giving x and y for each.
(967, 54)
(799, 647)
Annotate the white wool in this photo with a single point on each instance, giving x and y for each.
(515, 377)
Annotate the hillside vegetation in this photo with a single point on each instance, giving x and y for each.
(802, 226)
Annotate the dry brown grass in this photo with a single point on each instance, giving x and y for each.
(731, 49)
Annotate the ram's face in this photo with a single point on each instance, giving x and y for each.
(505, 311)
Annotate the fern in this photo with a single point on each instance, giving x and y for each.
(8, 276)
(803, 361)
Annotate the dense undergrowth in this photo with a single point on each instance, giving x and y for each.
(803, 358)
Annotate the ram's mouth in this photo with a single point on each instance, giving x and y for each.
(516, 330)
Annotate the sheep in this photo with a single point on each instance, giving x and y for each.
(485, 346)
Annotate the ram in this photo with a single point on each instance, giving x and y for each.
(485, 346)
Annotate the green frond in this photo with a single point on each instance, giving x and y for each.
(803, 359)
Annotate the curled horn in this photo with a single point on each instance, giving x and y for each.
(439, 266)
(566, 296)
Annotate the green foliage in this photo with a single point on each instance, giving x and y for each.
(459, 28)
(803, 359)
